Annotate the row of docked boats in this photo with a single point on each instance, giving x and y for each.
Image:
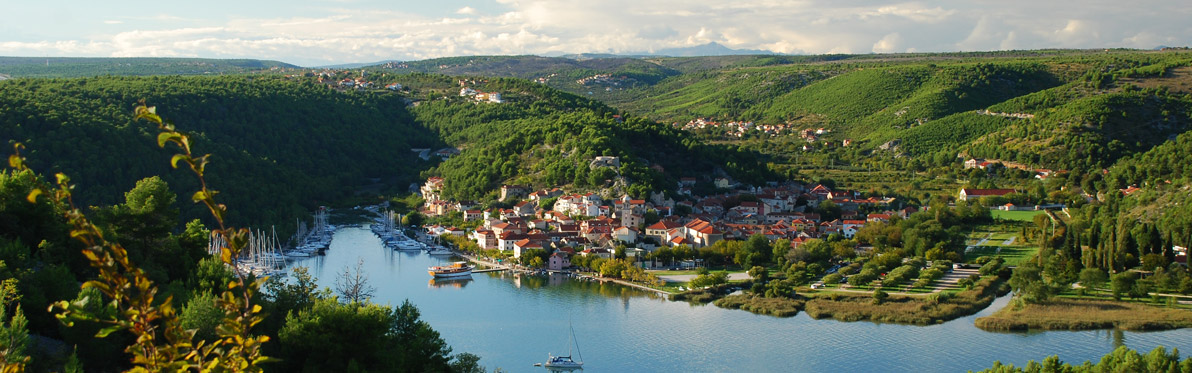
(387, 227)
(314, 240)
(265, 255)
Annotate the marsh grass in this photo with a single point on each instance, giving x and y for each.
(1085, 314)
(776, 306)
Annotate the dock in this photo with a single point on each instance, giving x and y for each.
(488, 270)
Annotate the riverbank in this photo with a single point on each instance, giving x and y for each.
(924, 309)
(928, 309)
(1085, 314)
(578, 275)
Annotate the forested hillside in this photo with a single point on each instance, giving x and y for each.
(279, 147)
(546, 138)
(79, 67)
(1049, 109)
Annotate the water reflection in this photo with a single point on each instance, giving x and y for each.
(457, 282)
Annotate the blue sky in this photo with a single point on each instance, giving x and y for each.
(339, 31)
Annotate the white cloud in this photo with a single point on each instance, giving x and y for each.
(112, 22)
(889, 44)
(353, 33)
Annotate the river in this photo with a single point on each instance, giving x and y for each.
(512, 321)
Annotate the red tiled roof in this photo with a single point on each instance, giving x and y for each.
(987, 192)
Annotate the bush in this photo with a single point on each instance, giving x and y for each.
(864, 278)
(900, 275)
(992, 267)
(710, 279)
(832, 279)
(880, 296)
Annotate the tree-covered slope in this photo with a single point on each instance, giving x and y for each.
(544, 138)
(1048, 109)
(278, 147)
(77, 67)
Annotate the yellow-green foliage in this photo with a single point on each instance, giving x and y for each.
(161, 342)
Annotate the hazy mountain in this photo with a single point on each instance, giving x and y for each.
(710, 49)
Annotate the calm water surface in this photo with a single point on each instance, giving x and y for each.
(513, 321)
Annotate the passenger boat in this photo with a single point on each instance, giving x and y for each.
(457, 269)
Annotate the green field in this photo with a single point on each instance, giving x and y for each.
(999, 240)
(1016, 215)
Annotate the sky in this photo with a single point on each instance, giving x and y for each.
(325, 32)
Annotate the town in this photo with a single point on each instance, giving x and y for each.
(589, 225)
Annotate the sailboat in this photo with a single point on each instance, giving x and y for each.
(566, 362)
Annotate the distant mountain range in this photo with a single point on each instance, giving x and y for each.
(710, 49)
(353, 65)
(703, 50)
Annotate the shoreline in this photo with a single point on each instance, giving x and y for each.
(579, 275)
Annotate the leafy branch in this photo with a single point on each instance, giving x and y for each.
(161, 342)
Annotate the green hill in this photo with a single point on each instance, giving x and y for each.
(545, 138)
(279, 148)
(77, 67)
(1053, 109)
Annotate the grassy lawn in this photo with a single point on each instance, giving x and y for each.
(995, 238)
(1012, 254)
(1016, 215)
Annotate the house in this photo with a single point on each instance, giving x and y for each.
(525, 208)
(632, 220)
(484, 238)
(848, 228)
(878, 218)
(432, 189)
(820, 192)
(906, 212)
(558, 261)
(600, 252)
(393, 87)
(966, 193)
(625, 234)
(525, 244)
(470, 215)
(506, 241)
(513, 191)
(605, 161)
(702, 233)
(1130, 190)
(446, 153)
(658, 230)
(544, 194)
(723, 183)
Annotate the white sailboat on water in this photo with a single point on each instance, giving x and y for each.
(566, 362)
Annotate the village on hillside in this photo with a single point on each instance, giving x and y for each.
(587, 224)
